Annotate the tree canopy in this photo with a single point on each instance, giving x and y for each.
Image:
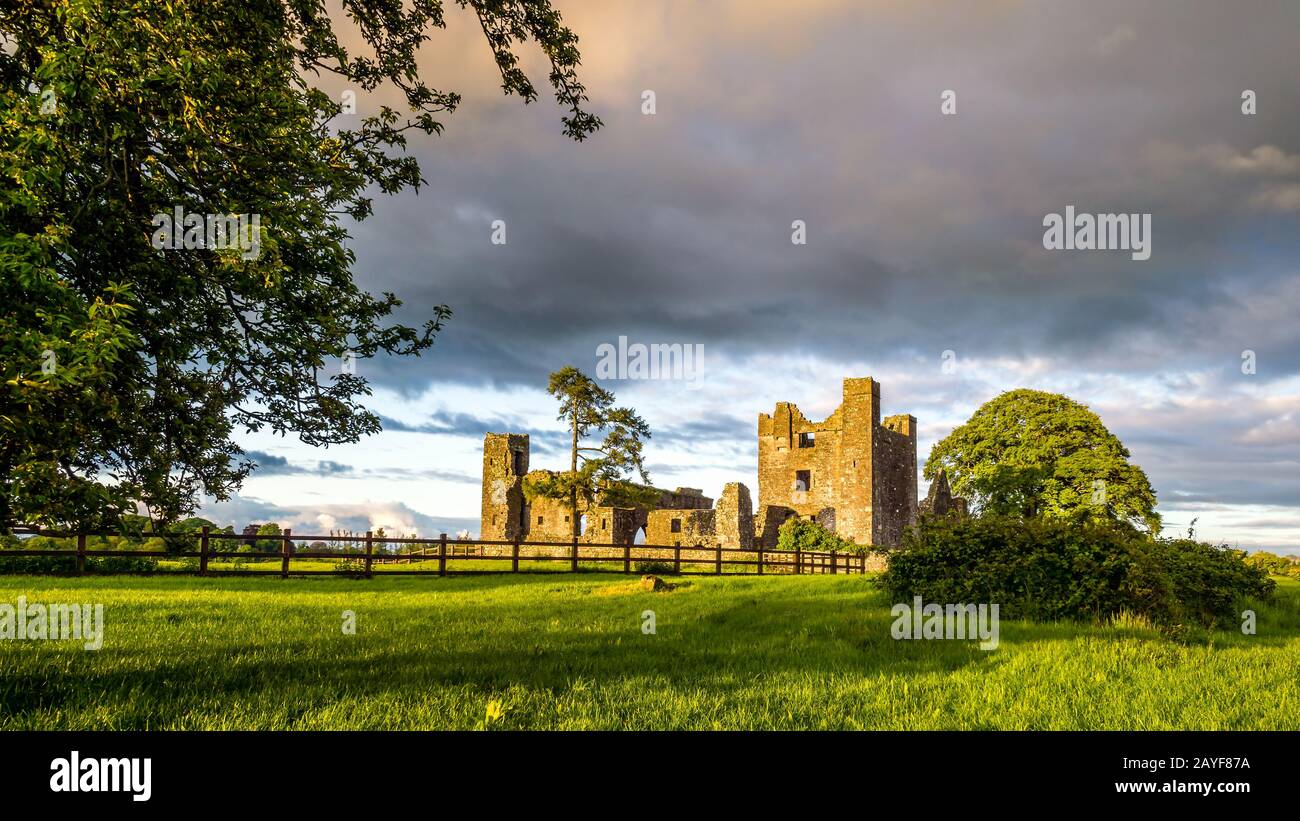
(1034, 453)
(125, 368)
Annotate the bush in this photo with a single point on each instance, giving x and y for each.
(1049, 569)
(67, 563)
(351, 566)
(1274, 564)
(1269, 562)
(807, 535)
(654, 568)
(1209, 582)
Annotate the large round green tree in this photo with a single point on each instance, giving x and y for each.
(1035, 453)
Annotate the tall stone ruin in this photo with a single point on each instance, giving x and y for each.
(853, 472)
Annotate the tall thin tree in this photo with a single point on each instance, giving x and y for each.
(595, 471)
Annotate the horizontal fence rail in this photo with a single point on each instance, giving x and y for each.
(366, 557)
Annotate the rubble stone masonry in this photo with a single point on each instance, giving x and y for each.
(851, 469)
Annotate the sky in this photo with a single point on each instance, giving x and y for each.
(924, 263)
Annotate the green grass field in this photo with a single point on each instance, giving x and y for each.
(561, 651)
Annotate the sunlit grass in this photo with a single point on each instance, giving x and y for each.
(568, 652)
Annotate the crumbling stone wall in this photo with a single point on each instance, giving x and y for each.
(940, 501)
(729, 525)
(768, 524)
(508, 515)
(684, 498)
(551, 520)
(681, 527)
(613, 525)
(826, 518)
(735, 518)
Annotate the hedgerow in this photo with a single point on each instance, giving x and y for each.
(1051, 569)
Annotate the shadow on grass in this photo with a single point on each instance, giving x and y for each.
(720, 635)
(697, 645)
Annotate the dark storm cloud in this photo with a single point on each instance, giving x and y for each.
(923, 229)
(465, 424)
(272, 465)
(405, 473)
(453, 423)
(657, 470)
(723, 429)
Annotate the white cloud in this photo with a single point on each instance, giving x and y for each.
(1278, 197)
(1116, 39)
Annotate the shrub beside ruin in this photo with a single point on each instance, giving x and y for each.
(1053, 569)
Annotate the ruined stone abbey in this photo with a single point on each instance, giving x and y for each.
(853, 472)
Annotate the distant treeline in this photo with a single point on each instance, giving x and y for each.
(138, 534)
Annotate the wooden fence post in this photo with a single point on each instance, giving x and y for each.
(573, 562)
(627, 558)
(514, 558)
(203, 552)
(717, 559)
(81, 553)
(442, 554)
(286, 547)
(370, 552)
(677, 559)
(833, 560)
(798, 561)
(760, 560)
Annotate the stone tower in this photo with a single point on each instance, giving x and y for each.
(505, 464)
(853, 470)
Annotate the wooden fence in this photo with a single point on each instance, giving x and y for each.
(207, 546)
